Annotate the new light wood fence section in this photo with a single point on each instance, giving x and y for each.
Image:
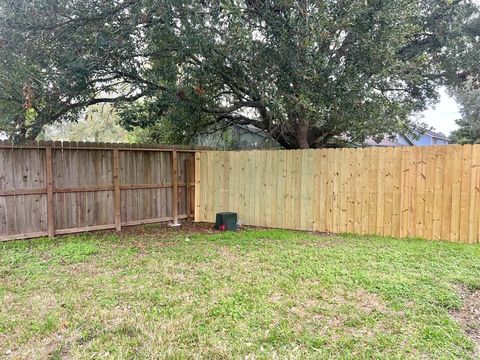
(426, 192)
(61, 188)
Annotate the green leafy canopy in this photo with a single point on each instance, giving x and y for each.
(303, 71)
(468, 131)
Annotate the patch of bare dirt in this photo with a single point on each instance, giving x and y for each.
(469, 315)
(161, 230)
(167, 231)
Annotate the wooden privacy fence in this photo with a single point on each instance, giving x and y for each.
(427, 192)
(61, 188)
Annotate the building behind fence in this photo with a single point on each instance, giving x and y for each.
(426, 192)
(60, 188)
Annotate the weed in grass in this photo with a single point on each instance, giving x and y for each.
(44, 326)
(74, 251)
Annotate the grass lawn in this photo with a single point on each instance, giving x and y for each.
(155, 292)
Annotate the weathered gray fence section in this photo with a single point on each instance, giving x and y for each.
(58, 188)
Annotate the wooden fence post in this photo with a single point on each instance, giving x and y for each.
(117, 193)
(188, 200)
(49, 176)
(175, 187)
(196, 215)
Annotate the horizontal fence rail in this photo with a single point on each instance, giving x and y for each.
(427, 192)
(58, 188)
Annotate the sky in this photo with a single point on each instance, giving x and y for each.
(442, 116)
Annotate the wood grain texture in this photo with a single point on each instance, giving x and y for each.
(175, 186)
(56, 188)
(116, 184)
(49, 177)
(429, 192)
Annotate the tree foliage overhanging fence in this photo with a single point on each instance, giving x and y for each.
(305, 72)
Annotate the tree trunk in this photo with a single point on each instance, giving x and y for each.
(301, 133)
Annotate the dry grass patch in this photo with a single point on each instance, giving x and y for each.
(468, 316)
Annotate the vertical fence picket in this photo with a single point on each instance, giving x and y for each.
(49, 177)
(456, 195)
(465, 202)
(117, 193)
(473, 222)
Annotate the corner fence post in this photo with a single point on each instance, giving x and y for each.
(197, 186)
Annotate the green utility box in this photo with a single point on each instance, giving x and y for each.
(226, 221)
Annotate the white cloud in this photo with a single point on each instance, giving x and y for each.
(442, 115)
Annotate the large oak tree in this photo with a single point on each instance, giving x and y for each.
(304, 71)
